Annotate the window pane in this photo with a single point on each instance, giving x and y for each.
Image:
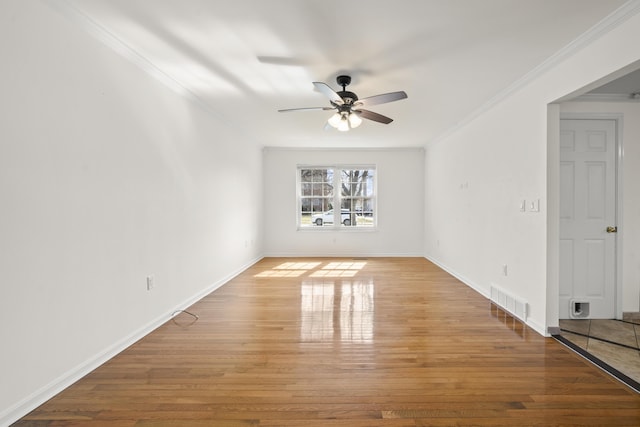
(316, 197)
(329, 176)
(356, 182)
(305, 205)
(306, 175)
(358, 210)
(319, 175)
(314, 211)
(316, 175)
(367, 185)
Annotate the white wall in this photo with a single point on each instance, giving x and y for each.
(106, 177)
(629, 228)
(473, 230)
(400, 180)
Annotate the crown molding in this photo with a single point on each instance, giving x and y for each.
(113, 42)
(610, 22)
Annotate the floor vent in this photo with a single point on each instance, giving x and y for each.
(509, 303)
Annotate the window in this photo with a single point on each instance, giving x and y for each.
(322, 189)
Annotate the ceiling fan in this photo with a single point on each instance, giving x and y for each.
(349, 109)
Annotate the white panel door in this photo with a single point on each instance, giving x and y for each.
(587, 208)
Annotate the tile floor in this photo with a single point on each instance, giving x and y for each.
(614, 342)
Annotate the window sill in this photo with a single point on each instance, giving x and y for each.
(338, 229)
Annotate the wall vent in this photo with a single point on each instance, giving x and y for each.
(513, 305)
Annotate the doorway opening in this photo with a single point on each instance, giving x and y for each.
(572, 317)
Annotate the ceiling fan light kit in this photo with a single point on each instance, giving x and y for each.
(343, 121)
(348, 108)
(354, 119)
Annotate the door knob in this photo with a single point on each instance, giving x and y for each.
(612, 229)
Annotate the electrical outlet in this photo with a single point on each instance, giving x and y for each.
(504, 269)
(150, 283)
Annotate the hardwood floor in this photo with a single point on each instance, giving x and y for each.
(343, 342)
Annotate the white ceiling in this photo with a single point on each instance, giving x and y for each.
(245, 59)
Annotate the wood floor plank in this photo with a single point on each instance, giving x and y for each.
(343, 342)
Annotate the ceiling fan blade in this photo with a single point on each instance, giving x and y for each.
(370, 115)
(286, 110)
(330, 93)
(381, 99)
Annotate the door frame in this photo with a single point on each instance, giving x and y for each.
(619, 193)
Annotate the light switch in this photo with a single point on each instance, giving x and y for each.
(535, 206)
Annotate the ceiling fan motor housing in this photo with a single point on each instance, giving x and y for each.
(348, 97)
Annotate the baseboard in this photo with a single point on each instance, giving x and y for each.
(65, 380)
(554, 330)
(484, 292)
(341, 255)
(28, 404)
(470, 283)
(538, 327)
(211, 288)
(631, 317)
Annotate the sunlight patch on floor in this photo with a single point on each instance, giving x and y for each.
(331, 269)
(289, 269)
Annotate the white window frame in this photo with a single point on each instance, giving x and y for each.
(337, 198)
